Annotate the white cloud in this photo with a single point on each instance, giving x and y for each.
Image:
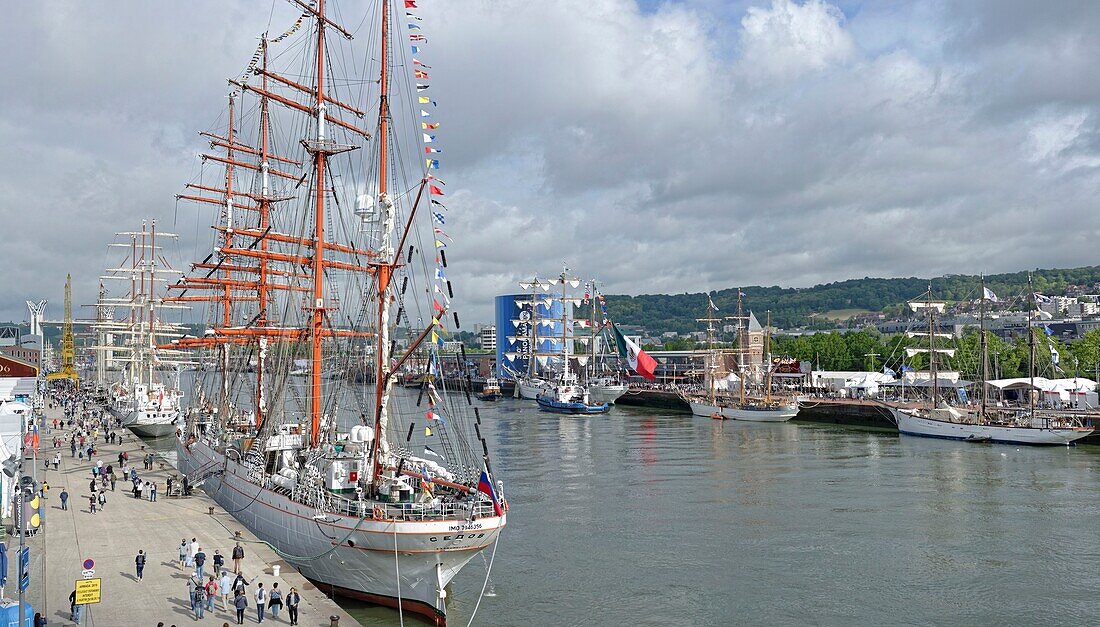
(788, 39)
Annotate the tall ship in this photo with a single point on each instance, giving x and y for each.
(605, 385)
(550, 379)
(754, 399)
(328, 240)
(146, 397)
(938, 418)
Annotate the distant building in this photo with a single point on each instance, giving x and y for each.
(487, 338)
(28, 355)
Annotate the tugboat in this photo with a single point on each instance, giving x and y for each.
(491, 391)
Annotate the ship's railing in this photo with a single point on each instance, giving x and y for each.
(408, 512)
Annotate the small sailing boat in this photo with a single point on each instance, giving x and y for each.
(940, 419)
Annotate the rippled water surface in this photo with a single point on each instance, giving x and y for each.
(647, 518)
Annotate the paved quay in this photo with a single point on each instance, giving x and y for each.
(112, 537)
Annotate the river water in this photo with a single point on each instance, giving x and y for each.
(648, 518)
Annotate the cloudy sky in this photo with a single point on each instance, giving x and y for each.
(658, 146)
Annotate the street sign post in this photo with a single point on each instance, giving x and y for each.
(88, 591)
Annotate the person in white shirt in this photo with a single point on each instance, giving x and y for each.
(261, 602)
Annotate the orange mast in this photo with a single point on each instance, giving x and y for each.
(318, 235)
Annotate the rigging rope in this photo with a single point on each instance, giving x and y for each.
(486, 583)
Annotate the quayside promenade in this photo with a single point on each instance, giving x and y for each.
(113, 535)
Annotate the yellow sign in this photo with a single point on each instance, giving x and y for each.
(88, 591)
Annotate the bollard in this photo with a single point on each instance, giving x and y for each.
(334, 621)
(210, 510)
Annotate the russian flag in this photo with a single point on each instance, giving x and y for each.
(486, 487)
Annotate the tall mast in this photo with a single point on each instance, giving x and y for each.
(1030, 351)
(768, 358)
(742, 349)
(228, 244)
(149, 297)
(984, 352)
(318, 264)
(710, 362)
(932, 370)
(264, 206)
(387, 257)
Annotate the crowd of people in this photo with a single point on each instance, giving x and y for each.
(82, 429)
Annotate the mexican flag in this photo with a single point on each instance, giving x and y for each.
(640, 362)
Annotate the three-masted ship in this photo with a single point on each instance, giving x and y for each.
(328, 248)
(939, 418)
(146, 397)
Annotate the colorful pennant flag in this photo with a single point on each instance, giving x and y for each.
(414, 16)
(410, 4)
(439, 218)
(428, 138)
(419, 38)
(428, 451)
(432, 163)
(414, 27)
(435, 190)
(427, 100)
(421, 87)
(439, 244)
(430, 127)
(427, 432)
(425, 114)
(415, 49)
(420, 74)
(429, 150)
(421, 64)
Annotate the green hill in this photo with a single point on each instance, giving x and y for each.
(794, 307)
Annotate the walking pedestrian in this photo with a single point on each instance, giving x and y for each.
(74, 607)
(238, 555)
(64, 499)
(200, 563)
(183, 552)
(219, 561)
(192, 548)
(261, 602)
(139, 563)
(102, 500)
(240, 603)
(292, 601)
(153, 491)
(113, 479)
(199, 601)
(275, 601)
(211, 593)
(72, 447)
(91, 503)
(225, 586)
(139, 487)
(191, 591)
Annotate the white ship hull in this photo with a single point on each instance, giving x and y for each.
(778, 414)
(910, 424)
(601, 393)
(151, 424)
(702, 408)
(782, 413)
(361, 562)
(531, 388)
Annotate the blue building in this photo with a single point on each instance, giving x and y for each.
(515, 331)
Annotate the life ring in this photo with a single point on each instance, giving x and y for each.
(379, 513)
